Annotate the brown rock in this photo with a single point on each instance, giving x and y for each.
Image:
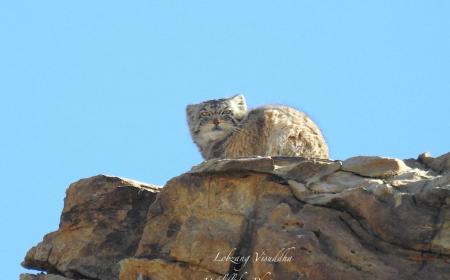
(259, 164)
(308, 171)
(350, 234)
(318, 245)
(440, 164)
(214, 217)
(43, 277)
(101, 223)
(157, 269)
(278, 218)
(295, 168)
(376, 167)
(441, 239)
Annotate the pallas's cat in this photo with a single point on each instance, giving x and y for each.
(224, 128)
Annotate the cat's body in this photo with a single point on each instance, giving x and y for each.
(224, 129)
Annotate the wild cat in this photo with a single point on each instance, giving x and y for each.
(224, 128)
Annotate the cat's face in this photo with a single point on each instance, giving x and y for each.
(214, 119)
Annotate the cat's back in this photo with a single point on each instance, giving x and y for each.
(277, 130)
(278, 117)
(276, 114)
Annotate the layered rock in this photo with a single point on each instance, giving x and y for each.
(101, 224)
(258, 218)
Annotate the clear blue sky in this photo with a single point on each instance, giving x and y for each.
(91, 87)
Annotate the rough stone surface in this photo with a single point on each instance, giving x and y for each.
(377, 167)
(258, 164)
(299, 169)
(440, 164)
(101, 223)
(134, 269)
(272, 218)
(26, 276)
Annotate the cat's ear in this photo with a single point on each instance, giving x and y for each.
(190, 112)
(239, 102)
(239, 106)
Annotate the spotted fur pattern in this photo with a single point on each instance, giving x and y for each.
(224, 128)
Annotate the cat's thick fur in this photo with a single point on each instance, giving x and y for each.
(223, 128)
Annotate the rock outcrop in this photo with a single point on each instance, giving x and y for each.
(258, 218)
(101, 224)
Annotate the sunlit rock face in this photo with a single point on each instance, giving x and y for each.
(101, 223)
(258, 218)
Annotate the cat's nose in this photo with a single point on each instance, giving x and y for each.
(216, 121)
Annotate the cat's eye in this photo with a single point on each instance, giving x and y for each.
(226, 112)
(204, 114)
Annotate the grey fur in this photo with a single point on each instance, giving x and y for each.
(224, 128)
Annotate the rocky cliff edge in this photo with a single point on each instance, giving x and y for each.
(257, 218)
